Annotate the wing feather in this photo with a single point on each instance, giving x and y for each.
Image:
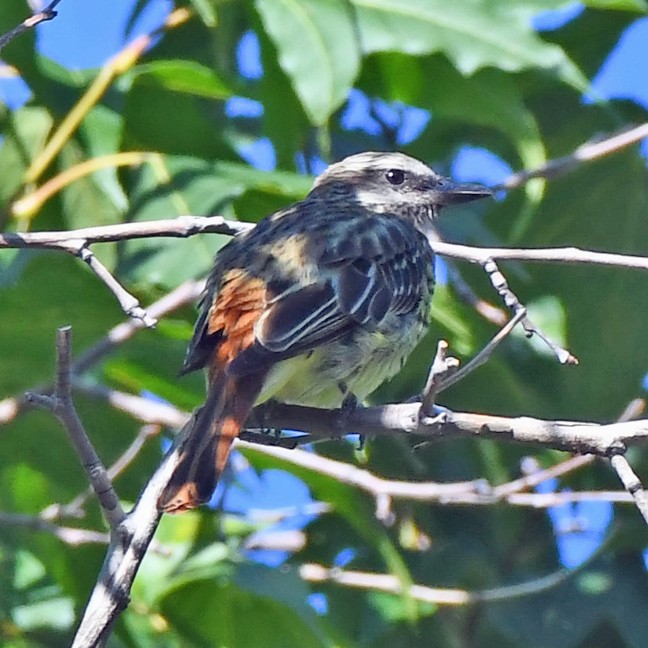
(381, 265)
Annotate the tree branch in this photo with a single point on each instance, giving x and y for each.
(186, 226)
(571, 436)
(512, 302)
(62, 406)
(584, 153)
(314, 573)
(70, 535)
(475, 492)
(631, 483)
(29, 23)
(180, 227)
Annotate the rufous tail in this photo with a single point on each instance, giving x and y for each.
(206, 441)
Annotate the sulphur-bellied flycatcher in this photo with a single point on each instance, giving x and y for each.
(321, 301)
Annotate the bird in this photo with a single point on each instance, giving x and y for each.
(318, 304)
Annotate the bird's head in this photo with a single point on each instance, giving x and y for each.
(394, 182)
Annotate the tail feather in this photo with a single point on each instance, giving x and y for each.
(206, 441)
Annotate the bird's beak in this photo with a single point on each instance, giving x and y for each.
(451, 193)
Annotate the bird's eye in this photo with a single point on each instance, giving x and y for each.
(395, 176)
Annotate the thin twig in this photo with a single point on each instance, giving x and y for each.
(513, 303)
(536, 477)
(69, 535)
(485, 353)
(314, 573)
(29, 23)
(129, 304)
(74, 508)
(62, 406)
(441, 371)
(584, 153)
(488, 311)
(631, 483)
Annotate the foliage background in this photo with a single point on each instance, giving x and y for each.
(337, 77)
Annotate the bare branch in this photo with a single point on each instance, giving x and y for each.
(632, 411)
(513, 303)
(548, 500)
(126, 551)
(631, 483)
(124, 556)
(572, 436)
(186, 226)
(584, 153)
(180, 227)
(566, 255)
(476, 492)
(315, 573)
(485, 353)
(45, 15)
(69, 535)
(62, 406)
(441, 371)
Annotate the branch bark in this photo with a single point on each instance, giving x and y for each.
(29, 23)
(62, 406)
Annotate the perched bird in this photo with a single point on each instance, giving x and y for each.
(321, 302)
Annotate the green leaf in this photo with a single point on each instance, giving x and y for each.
(25, 136)
(156, 119)
(471, 34)
(184, 76)
(234, 617)
(206, 9)
(618, 5)
(319, 36)
(317, 49)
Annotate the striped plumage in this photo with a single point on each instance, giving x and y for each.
(322, 300)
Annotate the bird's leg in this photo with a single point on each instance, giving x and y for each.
(350, 400)
(258, 419)
(349, 404)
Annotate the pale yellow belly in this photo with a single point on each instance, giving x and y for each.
(318, 379)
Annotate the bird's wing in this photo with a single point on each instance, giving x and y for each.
(381, 265)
